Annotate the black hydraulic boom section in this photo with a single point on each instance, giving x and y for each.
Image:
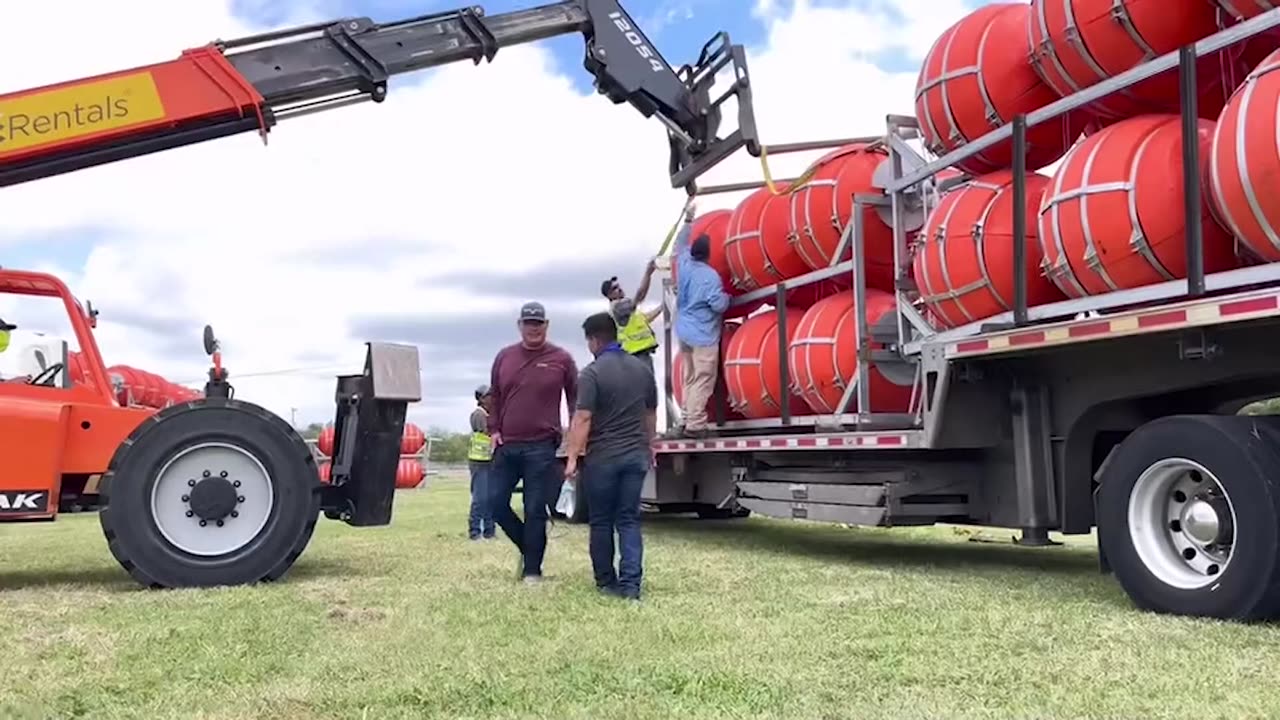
(326, 65)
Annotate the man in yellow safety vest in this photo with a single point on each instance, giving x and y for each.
(479, 460)
(635, 330)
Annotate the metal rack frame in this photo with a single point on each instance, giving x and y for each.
(913, 334)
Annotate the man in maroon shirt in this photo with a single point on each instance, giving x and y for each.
(526, 382)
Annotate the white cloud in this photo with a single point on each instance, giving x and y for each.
(502, 165)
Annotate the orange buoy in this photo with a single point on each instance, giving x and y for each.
(715, 225)
(975, 79)
(131, 389)
(761, 224)
(677, 378)
(1112, 216)
(324, 441)
(1242, 178)
(963, 264)
(824, 356)
(413, 440)
(752, 367)
(78, 370)
(409, 474)
(823, 207)
(326, 472)
(155, 394)
(1075, 44)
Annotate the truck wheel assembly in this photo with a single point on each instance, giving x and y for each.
(1188, 516)
(214, 492)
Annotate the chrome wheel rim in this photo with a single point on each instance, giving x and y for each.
(1182, 523)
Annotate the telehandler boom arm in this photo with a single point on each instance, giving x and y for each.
(230, 87)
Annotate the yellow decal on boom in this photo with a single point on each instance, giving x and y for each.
(54, 116)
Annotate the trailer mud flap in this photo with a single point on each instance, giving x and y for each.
(367, 432)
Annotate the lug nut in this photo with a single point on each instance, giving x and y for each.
(186, 498)
(219, 523)
(207, 473)
(191, 483)
(203, 523)
(189, 513)
(222, 474)
(239, 498)
(235, 483)
(235, 514)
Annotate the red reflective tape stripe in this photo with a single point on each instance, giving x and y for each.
(971, 346)
(890, 440)
(1028, 338)
(1090, 329)
(1162, 318)
(1240, 307)
(807, 442)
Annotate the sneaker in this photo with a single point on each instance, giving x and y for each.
(531, 580)
(474, 537)
(609, 590)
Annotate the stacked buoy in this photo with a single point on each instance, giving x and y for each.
(409, 473)
(1110, 216)
(135, 387)
(778, 233)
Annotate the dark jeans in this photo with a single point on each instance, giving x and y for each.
(613, 505)
(480, 521)
(534, 462)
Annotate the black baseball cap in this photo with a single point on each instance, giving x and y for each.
(607, 286)
(533, 312)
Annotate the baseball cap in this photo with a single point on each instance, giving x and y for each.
(533, 312)
(607, 286)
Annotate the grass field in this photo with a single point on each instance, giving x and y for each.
(743, 618)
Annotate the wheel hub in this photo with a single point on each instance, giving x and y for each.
(1204, 520)
(213, 499)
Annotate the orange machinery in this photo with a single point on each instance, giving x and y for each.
(207, 492)
(217, 490)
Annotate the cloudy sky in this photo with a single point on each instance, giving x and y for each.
(427, 219)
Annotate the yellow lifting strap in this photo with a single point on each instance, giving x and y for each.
(769, 183)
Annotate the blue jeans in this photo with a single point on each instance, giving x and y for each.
(480, 521)
(534, 462)
(613, 505)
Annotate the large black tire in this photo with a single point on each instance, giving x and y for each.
(1240, 455)
(239, 430)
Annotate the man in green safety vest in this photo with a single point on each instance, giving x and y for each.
(479, 460)
(635, 330)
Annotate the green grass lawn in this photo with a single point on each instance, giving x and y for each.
(742, 618)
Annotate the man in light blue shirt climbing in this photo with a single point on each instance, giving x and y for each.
(700, 305)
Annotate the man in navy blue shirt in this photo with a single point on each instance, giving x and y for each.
(700, 305)
(614, 423)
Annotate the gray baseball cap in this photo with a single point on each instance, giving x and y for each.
(533, 312)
